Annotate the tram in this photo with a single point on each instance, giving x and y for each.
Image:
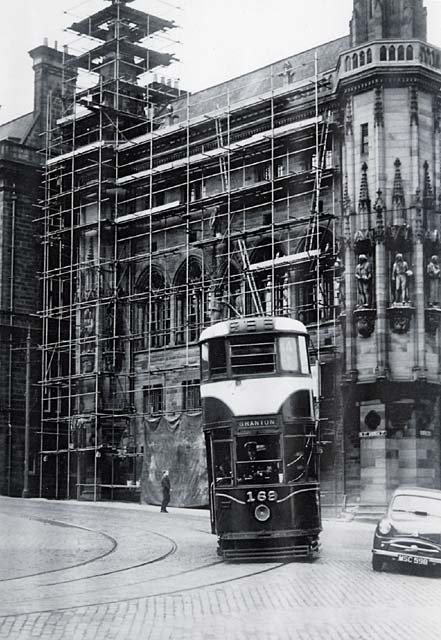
(261, 438)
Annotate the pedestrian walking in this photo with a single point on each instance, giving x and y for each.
(165, 484)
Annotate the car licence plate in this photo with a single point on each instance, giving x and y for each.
(413, 560)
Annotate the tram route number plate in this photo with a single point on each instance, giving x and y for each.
(413, 559)
(261, 496)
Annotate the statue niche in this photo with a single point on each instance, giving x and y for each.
(400, 313)
(433, 275)
(433, 308)
(363, 275)
(364, 315)
(401, 275)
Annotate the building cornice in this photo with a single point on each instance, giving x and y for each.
(368, 79)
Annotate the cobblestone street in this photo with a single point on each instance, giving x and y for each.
(75, 571)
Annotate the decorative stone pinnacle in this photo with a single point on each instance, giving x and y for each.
(398, 191)
(428, 192)
(379, 208)
(349, 118)
(378, 107)
(364, 200)
(346, 196)
(379, 203)
(413, 105)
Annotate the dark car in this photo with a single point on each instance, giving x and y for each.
(410, 532)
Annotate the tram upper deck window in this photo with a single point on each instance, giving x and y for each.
(213, 358)
(204, 361)
(252, 354)
(294, 354)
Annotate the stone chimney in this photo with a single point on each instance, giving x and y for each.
(51, 85)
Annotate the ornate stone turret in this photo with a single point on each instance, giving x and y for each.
(393, 310)
(382, 19)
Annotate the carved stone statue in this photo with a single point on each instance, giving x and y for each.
(434, 275)
(400, 280)
(363, 274)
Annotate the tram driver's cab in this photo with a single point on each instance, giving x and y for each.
(258, 459)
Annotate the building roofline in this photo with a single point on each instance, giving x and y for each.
(2, 124)
(267, 66)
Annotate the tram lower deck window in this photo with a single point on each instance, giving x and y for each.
(222, 463)
(253, 354)
(300, 458)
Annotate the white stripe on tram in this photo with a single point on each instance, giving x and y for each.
(294, 493)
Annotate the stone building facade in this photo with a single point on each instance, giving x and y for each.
(20, 263)
(309, 188)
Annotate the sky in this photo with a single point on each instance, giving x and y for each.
(217, 39)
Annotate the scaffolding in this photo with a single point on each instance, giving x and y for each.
(164, 212)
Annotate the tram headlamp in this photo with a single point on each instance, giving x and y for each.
(262, 513)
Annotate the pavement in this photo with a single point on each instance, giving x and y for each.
(98, 571)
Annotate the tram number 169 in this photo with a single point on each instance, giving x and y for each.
(262, 496)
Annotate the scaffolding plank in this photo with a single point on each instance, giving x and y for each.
(147, 212)
(146, 24)
(285, 260)
(148, 58)
(79, 151)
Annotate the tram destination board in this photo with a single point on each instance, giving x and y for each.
(257, 422)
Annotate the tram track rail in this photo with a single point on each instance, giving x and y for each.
(75, 565)
(150, 580)
(158, 594)
(160, 558)
(114, 543)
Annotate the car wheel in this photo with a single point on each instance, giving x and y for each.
(377, 563)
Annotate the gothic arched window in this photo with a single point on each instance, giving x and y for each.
(354, 61)
(383, 53)
(369, 56)
(347, 63)
(271, 281)
(392, 53)
(153, 309)
(314, 292)
(401, 52)
(362, 59)
(409, 52)
(226, 293)
(191, 306)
